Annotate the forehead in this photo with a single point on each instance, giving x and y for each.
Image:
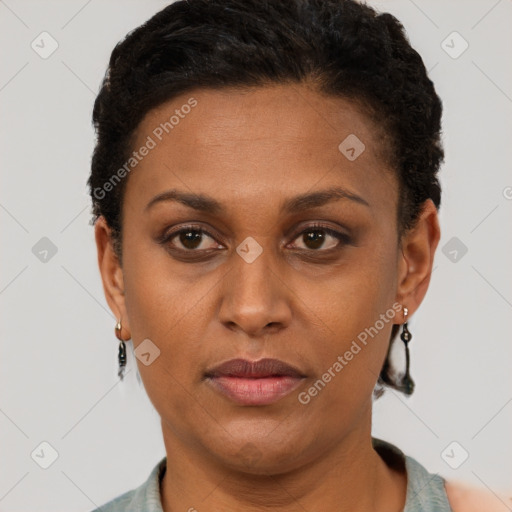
(261, 142)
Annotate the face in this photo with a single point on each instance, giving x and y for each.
(291, 253)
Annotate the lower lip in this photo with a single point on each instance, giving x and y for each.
(263, 391)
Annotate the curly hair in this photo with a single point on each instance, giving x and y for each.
(344, 48)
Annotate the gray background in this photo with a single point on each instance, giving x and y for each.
(58, 380)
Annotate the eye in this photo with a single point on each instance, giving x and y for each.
(189, 238)
(195, 239)
(317, 237)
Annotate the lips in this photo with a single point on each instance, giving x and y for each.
(261, 382)
(257, 369)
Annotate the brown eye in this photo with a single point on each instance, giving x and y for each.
(189, 239)
(321, 237)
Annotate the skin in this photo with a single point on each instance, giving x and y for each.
(298, 302)
(467, 498)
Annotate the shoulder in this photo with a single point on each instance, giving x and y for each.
(120, 504)
(466, 498)
(145, 498)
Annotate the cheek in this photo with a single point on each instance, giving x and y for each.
(173, 311)
(357, 314)
(170, 314)
(157, 297)
(166, 309)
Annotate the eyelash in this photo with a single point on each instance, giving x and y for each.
(166, 238)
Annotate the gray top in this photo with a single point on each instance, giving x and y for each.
(425, 491)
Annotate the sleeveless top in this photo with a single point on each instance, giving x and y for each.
(425, 491)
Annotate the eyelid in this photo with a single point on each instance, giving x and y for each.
(169, 234)
(342, 238)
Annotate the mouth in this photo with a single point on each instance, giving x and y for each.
(261, 382)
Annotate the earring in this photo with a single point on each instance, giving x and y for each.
(406, 336)
(122, 351)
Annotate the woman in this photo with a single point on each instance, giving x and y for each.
(265, 199)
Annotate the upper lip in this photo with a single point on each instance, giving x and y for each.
(255, 369)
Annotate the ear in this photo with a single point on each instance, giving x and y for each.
(417, 257)
(111, 274)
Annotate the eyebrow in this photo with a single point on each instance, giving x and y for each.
(306, 201)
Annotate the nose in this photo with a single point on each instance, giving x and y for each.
(255, 298)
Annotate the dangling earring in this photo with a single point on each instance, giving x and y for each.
(406, 336)
(122, 351)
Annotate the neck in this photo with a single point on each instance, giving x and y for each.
(350, 476)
